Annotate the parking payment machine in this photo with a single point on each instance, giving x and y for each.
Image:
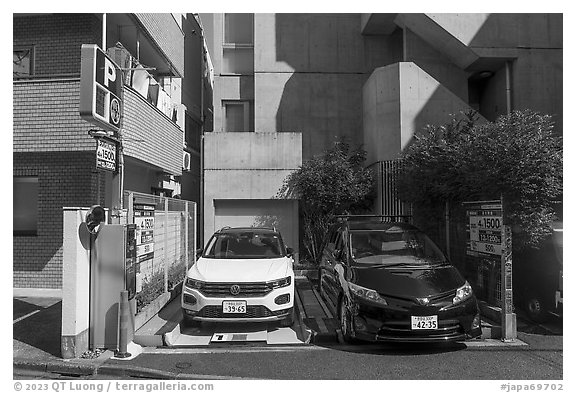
(112, 270)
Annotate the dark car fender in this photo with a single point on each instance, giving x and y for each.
(345, 292)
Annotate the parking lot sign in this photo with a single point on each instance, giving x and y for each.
(100, 89)
(106, 154)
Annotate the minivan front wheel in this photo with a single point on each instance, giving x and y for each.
(346, 335)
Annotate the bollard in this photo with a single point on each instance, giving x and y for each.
(124, 311)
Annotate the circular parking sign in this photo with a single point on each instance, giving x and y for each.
(115, 111)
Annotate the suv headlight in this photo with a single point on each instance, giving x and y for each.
(283, 282)
(194, 284)
(368, 294)
(462, 293)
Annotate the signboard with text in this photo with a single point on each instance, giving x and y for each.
(106, 154)
(144, 220)
(100, 89)
(485, 223)
(490, 240)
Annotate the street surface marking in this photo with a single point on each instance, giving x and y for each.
(25, 316)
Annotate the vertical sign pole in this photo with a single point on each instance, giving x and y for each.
(165, 244)
(195, 233)
(507, 314)
(186, 242)
(118, 176)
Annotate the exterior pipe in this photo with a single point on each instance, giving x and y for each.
(508, 86)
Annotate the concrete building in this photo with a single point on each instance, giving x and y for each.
(54, 156)
(288, 85)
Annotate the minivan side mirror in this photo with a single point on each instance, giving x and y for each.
(199, 252)
(289, 251)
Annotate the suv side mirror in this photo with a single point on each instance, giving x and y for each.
(95, 216)
(199, 252)
(289, 251)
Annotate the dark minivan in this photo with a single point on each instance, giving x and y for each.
(387, 281)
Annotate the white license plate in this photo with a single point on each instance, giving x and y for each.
(429, 322)
(234, 307)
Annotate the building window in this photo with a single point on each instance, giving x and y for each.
(25, 213)
(238, 46)
(236, 116)
(23, 62)
(239, 29)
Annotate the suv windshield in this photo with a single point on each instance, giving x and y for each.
(394, 246)
(244, 245)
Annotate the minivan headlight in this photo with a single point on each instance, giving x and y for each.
(368, 294)
(194, 284)
(462, 293)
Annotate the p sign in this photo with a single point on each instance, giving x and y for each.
(100, 89)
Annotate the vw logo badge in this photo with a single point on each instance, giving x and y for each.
(423, 301)
(235, 289)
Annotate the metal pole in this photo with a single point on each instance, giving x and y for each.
(165, 244)
(186, 229)
(509, 326)
(447, 216)
(124, 311)
(104, 32)
(508, 87)
(118, 175)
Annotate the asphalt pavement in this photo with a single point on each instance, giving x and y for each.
(537, 354)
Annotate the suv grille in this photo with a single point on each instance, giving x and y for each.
(247, 289)
(251, 312)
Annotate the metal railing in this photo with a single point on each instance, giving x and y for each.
(166, 240)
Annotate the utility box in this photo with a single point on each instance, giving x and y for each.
(112, 270)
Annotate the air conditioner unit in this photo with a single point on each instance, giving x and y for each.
(186, 161)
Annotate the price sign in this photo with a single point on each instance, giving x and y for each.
(106, 155)
(144, 220)
(485, 224)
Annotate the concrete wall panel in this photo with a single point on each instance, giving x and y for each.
(249, 150)
(537, 83)
(399, 101)
(281, 214)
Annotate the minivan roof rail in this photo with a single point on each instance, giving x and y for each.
(393, 218)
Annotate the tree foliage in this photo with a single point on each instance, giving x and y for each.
(327, 185)
(517, 157)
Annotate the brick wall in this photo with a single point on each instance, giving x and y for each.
(64, 179)
(57, 39)
(46, 117)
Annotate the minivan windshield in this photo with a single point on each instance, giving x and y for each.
(245, 245)
(394, 247)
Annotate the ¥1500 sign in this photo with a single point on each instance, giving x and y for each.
(106, 154)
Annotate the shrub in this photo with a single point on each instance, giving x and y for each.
(329, 184)
(517, 157)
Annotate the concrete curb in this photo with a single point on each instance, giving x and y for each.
(171, 337)
(72, 368)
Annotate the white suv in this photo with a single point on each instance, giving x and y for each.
(243, 275)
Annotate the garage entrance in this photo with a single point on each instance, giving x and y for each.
(281, 214)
